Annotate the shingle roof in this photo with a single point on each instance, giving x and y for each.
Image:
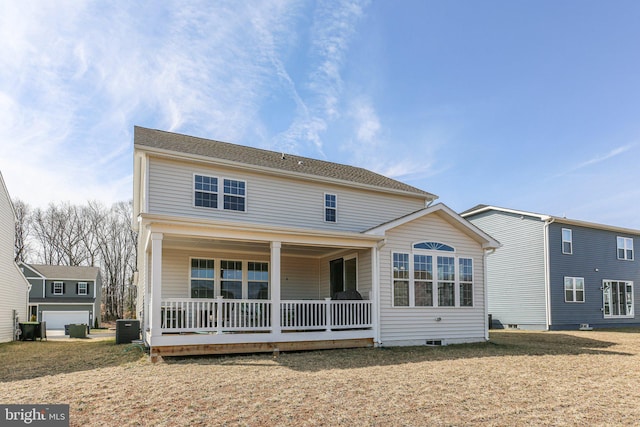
(179, 143)
(66, 272)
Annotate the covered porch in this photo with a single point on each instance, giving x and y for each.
(213, 289)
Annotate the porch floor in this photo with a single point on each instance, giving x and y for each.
(258, 347)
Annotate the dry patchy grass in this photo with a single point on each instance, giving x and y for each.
(519, 378)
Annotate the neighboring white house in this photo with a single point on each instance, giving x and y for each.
(243, 250)
(14, 288)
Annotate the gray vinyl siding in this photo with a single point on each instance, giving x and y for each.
(415, 325)
(593, 249)
(515, 271)
(13, 286)
(273, 200)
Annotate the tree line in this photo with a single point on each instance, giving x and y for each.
(83, 235)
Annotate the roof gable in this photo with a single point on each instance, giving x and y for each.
(449, 215)
(167, 142)
(51, 272)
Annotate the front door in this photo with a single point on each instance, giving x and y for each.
(343, 274)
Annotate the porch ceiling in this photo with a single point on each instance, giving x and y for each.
(201, 244)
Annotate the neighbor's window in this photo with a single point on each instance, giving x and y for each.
(466, 282)
(83, 289)
(258, 280)
(202, 277)
(206, 191)
(58, 288)
(231, 283)
(617, 297)
(625, 248)
(234, 195)
(400, 280)
(423, 280)
(330, 207)
(567, 241)
(574, 289)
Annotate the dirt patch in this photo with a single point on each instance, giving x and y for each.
(519, 378)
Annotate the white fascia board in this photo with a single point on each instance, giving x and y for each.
(487, 241)
(207, 228)
(542, 217)
(279, 172)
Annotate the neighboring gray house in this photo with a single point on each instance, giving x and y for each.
(61, 295)
(244, 250)
(13, 286)
(558, 273)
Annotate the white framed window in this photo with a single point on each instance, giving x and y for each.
(231, 279)
(83, 288)
(617, 298)
(432, 276)
(567, 241)
(205, 191)
(625, 248)
(258, 280)
(466, 281)
(400, 280)
(330, 207)
(58, 288)
(574, 289)
(234, 195)
(202, 277)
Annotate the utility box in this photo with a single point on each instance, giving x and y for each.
(77, 330)
(127, 330)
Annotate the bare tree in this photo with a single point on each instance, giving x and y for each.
(22, 245)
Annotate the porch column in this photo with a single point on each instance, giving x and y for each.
(275, 286)
(156, 284)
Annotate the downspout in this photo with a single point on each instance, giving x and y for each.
(547, 273)
(485, 254)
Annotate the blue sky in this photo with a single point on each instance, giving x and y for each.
(523, 104)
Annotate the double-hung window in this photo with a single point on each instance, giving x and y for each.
(83, 288)
(202, 278)
(258, 280)
(446, 281)
(466, 281)
(423, 280)
(330, 207)
(58, 288)
(574, 289)
(234, 195)
(567, 241)
(231, 279)
(206, 191)
(625, 248)
(400, 280)
(617, 298)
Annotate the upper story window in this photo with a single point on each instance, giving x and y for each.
(625, 248)
(567, 241)
(330, 207)
(206, 191)
(207, 194)
(83, 288)
(234, 195)
(58, 288)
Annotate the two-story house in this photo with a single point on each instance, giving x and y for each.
(13, 286)
(61, 295)
(244, 250)
(558, 273)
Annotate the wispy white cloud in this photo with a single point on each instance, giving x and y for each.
(600, 158)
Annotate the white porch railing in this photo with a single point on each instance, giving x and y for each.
(245, 315)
